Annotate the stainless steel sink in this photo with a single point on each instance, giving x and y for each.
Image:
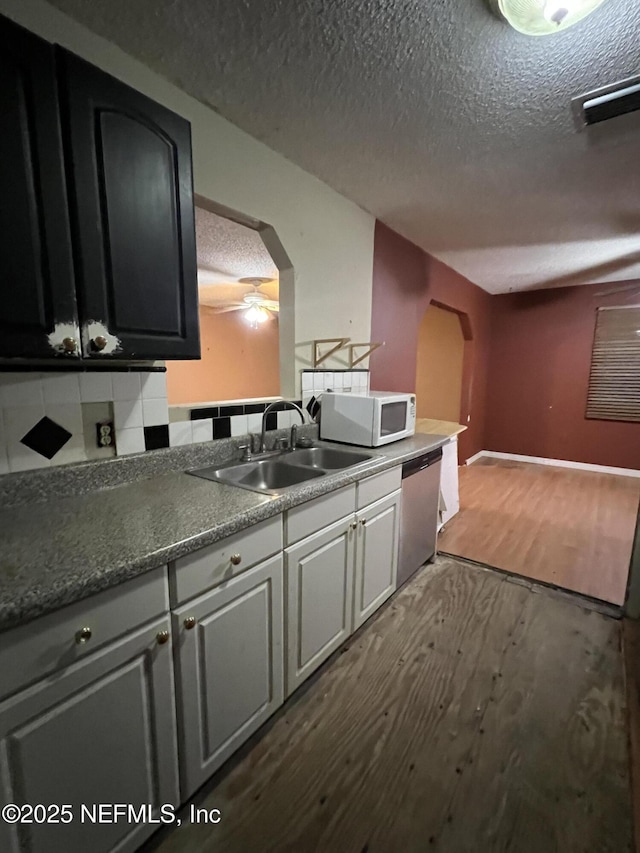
(327, 458)
(261, 475)
(284, 470)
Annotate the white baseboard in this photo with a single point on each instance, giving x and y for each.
(475, 456)
(556, 463)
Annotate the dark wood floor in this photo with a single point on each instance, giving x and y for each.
(562, 526)
(474, 714)
(631, 637)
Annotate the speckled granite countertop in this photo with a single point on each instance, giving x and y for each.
(58, 551)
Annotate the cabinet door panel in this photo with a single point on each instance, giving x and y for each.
(230, 668)
(132, 198)
(319, 573)
(376, 556)
(450, 504)
(102, 731)
(38, 303)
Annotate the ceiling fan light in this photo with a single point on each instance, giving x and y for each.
(544, 17)
(254, 315)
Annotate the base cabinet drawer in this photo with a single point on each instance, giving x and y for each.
(229, 668)
(100, 731)
(319, 591)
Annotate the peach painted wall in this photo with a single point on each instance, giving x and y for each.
(439, 367)
(237, 362)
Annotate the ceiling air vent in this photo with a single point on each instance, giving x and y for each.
(608, 102)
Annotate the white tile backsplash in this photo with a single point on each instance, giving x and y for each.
(154, 386)
(180, 433)
(126, 386)
(96, 387)
(130, 399)
(202, 430)
(62, 388)
(129, 441)
(127, 413)
(20, 389)
(155, 412)
(239, 424)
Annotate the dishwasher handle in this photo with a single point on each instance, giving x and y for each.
(421, 462)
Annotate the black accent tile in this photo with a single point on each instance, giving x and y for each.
(228, 411)
(201, 414)
(298, 403)
(222, 427)
(46, 438)
(272, 420)
(156, 437)
(254, 408)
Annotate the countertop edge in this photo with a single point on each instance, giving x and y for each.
(48, 600)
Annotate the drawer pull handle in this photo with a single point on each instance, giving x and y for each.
(353, 525)
(83, 635)
(190, 622)
(363, 521)
(236, 559)
(162, 637)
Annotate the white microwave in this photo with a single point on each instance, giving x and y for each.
(370, 420)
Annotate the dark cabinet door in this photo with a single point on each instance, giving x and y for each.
(131, 199)
(37, 306)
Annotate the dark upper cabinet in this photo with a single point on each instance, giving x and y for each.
(131, 201)
(97, 234)
(38, 306)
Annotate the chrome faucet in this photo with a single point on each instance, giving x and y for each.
(287, 404)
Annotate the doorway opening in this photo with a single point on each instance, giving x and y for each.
(440, 365)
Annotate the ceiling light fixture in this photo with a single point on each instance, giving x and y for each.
(255, 315)
(543, 17)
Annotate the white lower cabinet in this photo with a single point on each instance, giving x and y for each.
(319, 582)
(229, 668)
(99, 731)
(449, 491)
(376, 556)
(88, 695)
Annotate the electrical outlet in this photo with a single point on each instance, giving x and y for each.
(104, 434)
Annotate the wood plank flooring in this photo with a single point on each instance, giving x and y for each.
(561, 526)
(473, 714)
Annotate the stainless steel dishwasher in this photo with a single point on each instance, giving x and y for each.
(419, 516)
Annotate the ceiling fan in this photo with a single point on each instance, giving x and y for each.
(258, 307)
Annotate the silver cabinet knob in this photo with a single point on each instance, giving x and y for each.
(162, 637)
(353, 525)
(100, 342)
(363, 521)
(236, 559)
(69, 345)
(190, 622)
(83, 635)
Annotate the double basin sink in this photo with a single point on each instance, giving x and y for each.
(282, 470)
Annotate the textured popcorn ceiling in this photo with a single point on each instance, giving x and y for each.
(433, 115)
(228, 251)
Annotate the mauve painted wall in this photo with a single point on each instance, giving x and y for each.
(405, 281)
(539, 375)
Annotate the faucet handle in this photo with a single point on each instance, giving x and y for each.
(246, 451)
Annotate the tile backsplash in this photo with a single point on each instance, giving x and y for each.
(51, 419)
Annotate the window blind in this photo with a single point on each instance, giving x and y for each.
(614, 383)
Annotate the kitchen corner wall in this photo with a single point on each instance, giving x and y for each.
(405, 281)
(328, 239)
